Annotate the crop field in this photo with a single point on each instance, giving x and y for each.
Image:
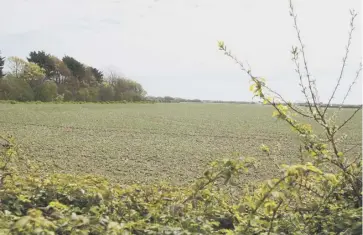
(148, 143)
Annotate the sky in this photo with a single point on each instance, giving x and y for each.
(170, 46)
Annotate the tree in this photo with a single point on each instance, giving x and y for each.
(19, 68)
(33, 72)
(77, 68)
(126, 89)
(16, 66)
(2, 62)
(61, 71)
(44, 61)
(89, 77)
(83, 94)
(93, 93)
(97, 74)
(106, 92)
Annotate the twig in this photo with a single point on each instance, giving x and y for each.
(288, 103)
(351, 148)
(312, 90)
(350, 118)
(298, 71)
(260, 202)
(351, 85)
(353, 14)
(273, 217)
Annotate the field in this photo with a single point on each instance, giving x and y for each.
(153, 142)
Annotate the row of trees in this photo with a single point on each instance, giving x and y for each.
(45, 77)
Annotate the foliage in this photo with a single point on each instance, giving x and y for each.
(126, 89)
(61, 71)
(13, 88)
(46, 92)
(151, 142)
(32, 72)
(97, 74)
(77, 68)
(21, 69)
(320, 195)
(16, 66)
(74, 80)
(44, 61)
(2, 62)
(68, 96)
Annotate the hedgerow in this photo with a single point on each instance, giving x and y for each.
(320, 195)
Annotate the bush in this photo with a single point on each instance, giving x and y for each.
(59, 98)
(83, 95)
(13, 88)
(46, 92)
(67, 96)
(106, 93)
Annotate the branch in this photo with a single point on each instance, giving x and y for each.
(352, 84)
(350, 118)
(298, 71)
(265, 196)
(273, 217)
(353, 14)
(351, 148)
(296, 109)
(312, 90)
(255, 79)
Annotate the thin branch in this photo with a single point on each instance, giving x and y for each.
(359, 157)
(312, 90)
(354, 15)
(351, 148)
(350, 118)
(265, 196)
(273, 217)
(352, 84)
(327, 197)
(297, 110)
(298, 71)
(229, 54)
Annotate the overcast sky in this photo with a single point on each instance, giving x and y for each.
(170, 46)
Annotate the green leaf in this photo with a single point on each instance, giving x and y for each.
(252, 87)
(21, 222)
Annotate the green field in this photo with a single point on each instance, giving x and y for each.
(153, 142)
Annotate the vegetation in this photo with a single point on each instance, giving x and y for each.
(322, 194)
(44, 77)
(2, 62)
(131, 143)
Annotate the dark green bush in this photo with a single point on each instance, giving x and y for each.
(46, 92)
(12, 88)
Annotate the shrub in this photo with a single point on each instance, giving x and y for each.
(83, 95)
(305, 199)
(59, 98)
(13, 88)
(68, 96)
(46, 92)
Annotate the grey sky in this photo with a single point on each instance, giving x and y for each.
(170, 46)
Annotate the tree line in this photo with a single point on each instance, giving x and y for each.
(45, 77)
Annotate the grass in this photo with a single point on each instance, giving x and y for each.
(153, 142)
